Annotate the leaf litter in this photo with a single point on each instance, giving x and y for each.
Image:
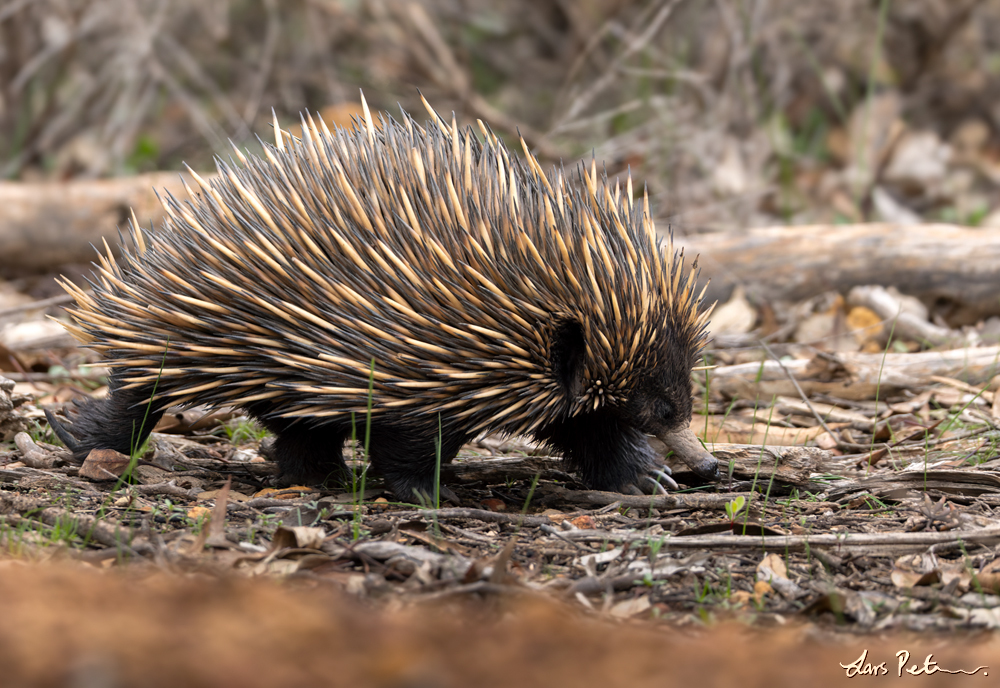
(858, 488)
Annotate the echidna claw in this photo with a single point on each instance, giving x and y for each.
(61, 431)
(447, 495)
(655, 484)
(662, 475)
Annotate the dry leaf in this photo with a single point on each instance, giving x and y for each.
(212, 494)
(600, 557)
(915, 569)
(302, 537)
(772, 570)
(293, 492)
(771, 566)
(554, 515)
(734, 431)
(826, 441)
(631, 607)
(957, 570)
(760, 590)
(104, 464)
(740, 597)
(866, 326)
(736, 316)
(989, 576)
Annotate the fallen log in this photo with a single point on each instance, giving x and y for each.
(862, 376)
(937, 263)
(47, 224)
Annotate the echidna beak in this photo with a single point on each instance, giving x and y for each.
(688, 449)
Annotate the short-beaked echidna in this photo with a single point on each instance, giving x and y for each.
(416, 273)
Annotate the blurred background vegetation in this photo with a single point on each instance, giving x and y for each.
(735, 113)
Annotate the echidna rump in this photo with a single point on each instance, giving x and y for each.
(414, 273)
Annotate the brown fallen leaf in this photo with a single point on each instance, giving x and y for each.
(915, 569)
(989, 577)
(740, 597)
(772, 570)
(302, 537)
(630, 607)
(760, 590)
(293, 492)
(867, 328)
(104, 464)
(736, 316)
(957, 576)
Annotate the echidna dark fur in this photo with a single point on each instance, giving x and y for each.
(490, 296)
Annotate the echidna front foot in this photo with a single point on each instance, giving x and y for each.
(606, 453)
(310, 455)
(659, 479)
(406, 457)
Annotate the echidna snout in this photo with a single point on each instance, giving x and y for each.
(686, 447)
(412, 284)
(661, 406)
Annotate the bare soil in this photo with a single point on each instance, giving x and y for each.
(857, 425)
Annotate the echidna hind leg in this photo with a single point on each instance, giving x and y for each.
(607, 454)
(407, 458)
(308, 455)
(121, 421)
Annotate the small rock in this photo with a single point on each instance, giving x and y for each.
(890, 210)
(873, 129)
(730, 174)
(736, 316)
(919, 160)
(11, 422)
(380, 526)
(969, 139)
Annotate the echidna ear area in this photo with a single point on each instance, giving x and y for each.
(411, 270)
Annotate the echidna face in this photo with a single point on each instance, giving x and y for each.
(660, 404)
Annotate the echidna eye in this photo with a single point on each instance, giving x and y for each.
(666, 410)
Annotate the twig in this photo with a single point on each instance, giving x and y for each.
(266, 61)
(673, 500)
(108, 534)
(840, 443)
(447, 73)
(35, 305)
(835, 542)
(612, 73)
(49, 377)
(478, 514)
